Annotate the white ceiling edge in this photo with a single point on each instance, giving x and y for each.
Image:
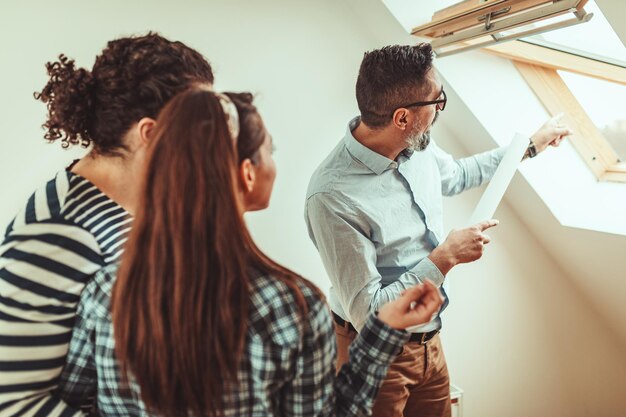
(504, 104)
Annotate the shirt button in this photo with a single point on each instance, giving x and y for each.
(393, 165)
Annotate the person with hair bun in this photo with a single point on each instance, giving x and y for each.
(196, 320)
(78, 222)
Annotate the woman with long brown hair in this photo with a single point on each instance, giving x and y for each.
(204, 322)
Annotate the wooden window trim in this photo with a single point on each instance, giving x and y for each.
(557, 98)
(519, 51)
(466, 14)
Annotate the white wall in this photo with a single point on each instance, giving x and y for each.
(301, 58)
(519, 336)
(520, 339)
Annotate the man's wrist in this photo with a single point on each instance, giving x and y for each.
(443, 259)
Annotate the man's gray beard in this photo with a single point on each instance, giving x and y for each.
(418, 142)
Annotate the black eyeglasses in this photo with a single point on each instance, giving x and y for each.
(441, 103)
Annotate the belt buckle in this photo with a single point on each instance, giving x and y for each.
(422, 339)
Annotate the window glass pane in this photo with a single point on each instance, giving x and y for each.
(605, 103)
(595, 38)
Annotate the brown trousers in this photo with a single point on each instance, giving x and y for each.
(417, 383)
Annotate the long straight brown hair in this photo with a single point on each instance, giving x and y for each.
(180, 303)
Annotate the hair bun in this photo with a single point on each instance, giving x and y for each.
(69, 99)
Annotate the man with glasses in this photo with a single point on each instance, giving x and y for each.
(374, 212)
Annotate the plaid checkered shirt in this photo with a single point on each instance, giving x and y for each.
(288, 366)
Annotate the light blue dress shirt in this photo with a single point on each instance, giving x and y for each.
(374, 221)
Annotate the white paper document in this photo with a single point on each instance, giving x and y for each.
(492, 196)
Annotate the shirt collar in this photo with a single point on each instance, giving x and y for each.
(372, 160)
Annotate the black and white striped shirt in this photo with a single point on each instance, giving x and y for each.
(67, 231)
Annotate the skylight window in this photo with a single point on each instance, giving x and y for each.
(595, 39)
(566, 50)
(473, 24)
(604, 103)
(580, 70)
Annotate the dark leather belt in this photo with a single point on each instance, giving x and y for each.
(420, 338)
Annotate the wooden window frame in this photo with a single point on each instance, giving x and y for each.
(538, 66)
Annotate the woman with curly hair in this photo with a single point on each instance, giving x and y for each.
(78, 221)
(204, 323)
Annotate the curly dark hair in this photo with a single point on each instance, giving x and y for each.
(132, 78)
(391, 77)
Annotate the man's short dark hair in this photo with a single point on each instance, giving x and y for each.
(391, 77)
